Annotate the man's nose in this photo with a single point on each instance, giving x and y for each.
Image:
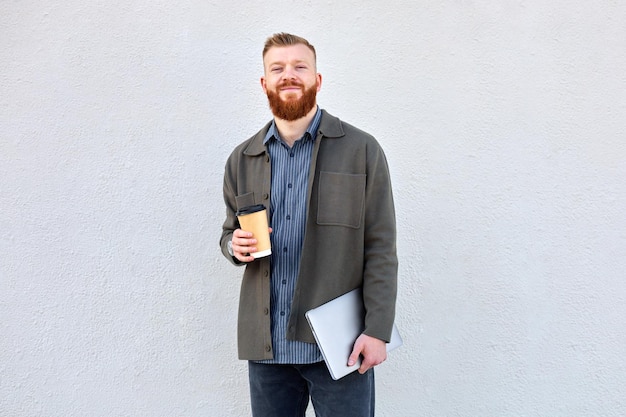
(289, 73)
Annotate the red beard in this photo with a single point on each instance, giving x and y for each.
(292, 109)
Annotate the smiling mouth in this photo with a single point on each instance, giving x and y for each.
(290, 85)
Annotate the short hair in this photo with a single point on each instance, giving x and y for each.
(286, 39)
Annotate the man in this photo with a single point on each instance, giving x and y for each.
(327, 189)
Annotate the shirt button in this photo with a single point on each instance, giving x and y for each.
(289, 185)
(282, 313)
(284, 281)
(291, 154)
(288, 217)
(284, 249)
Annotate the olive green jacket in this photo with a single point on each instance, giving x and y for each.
(350, 238)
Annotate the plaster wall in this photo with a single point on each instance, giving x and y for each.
(504, 127)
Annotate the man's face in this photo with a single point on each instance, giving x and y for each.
(290, 82)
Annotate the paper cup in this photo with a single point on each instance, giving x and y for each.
(254, 219)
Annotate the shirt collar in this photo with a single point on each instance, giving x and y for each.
(272, 132)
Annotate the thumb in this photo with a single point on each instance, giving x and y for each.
(356, 352)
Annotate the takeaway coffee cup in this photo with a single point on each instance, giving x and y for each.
(254, 219)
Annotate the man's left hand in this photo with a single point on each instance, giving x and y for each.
(373, 350)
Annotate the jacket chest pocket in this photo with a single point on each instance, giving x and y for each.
(244, 200)
(340, 199)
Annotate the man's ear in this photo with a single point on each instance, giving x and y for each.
(263, 85)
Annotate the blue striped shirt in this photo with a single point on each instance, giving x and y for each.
(290, 176)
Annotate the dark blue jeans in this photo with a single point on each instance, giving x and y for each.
(284, 390)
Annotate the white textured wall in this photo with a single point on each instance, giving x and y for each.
(504, 126)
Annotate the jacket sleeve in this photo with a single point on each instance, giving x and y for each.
(380, 257)
(229, 191)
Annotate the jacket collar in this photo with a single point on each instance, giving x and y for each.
(330, 127)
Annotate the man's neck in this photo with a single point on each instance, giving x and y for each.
(291, 131)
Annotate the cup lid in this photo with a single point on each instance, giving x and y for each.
(250, 209)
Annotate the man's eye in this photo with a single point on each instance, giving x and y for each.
(276, 69)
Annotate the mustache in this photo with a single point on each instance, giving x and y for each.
(290, 83)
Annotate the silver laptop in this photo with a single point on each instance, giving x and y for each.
(336, 326)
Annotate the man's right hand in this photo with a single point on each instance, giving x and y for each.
(243, 244)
